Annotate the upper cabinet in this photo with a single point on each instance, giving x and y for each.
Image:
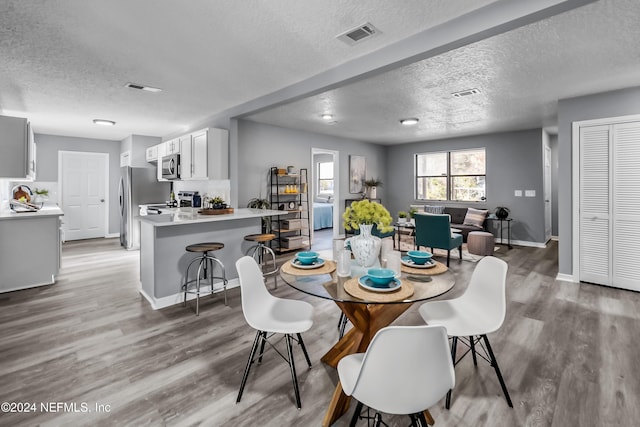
(152, 154)
(172, 147)
(204, 154)
(17, 148)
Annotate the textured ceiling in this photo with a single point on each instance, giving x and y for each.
(65, 62)
(521, 75)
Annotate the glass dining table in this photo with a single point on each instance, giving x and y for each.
(368, 311)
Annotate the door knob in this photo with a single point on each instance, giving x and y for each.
(101, 200)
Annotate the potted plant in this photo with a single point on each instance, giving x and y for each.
(412, 214)
(362, 215)
(502, 212)
(258, 203)
(218, 203)
(41, 194)
(402, 217)
(371, 185)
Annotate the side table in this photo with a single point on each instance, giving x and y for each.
(502, 221)
(405, 226)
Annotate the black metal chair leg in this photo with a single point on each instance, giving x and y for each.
(293, 371)
(448, 257)
(460, 251)
(249, 363)
(494, 363)
(264, 341)
(473, 350)
(423, 420)
(356, 415)
(454, 346)
(304, 349)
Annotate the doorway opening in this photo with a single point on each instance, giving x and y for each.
(324, 194)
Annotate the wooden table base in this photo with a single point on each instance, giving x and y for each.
(367, 319)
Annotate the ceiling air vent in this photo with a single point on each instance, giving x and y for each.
(142, 87)
(358, 34)
(465, 92)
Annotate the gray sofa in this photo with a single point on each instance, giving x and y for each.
(457, 221)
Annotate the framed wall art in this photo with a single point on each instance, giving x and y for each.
(357, 170)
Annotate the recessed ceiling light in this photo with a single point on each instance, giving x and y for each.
(104, 122)
(143, 87)
(327, 116)
(410, 121)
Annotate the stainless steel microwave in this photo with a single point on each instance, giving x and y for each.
(171, 166)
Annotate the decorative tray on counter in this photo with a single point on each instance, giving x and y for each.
(210, 211)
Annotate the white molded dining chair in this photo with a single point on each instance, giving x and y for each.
(405, 370)
(476, 313)
(270, 315)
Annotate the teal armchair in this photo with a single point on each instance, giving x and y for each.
(434, 231)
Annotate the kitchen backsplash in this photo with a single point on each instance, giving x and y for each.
(212, 188)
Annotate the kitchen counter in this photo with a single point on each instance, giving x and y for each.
(30, 247)
(164, 237)
(179, 216)
(47, 210)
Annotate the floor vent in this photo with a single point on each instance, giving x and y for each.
(358, 34)
(465, 92)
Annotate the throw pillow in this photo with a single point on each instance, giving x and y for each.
(434, 209)
(475, 217)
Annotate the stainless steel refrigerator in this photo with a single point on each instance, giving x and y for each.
(137, 186)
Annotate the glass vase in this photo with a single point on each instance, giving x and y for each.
(365, 247)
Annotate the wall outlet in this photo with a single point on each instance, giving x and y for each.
(529, 193)
(518, 193)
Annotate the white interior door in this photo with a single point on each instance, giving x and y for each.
(83, 179)
(626, 206)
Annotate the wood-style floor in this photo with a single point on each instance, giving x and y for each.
(570, 353)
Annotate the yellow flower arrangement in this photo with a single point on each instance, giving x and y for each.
(367, 212)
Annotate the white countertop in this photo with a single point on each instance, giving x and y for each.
(47, 210)
(178, 216)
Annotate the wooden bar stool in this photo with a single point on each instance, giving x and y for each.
(205, 271)
(258, 252)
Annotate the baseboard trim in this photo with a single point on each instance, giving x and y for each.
(168, 301)
(524, 243)
(111, 235)
(566, 278)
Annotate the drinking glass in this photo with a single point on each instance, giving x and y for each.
(338, 246)
(387, 246)
(393, 262)
(344, 263)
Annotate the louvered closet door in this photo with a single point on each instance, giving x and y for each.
(595, 238)
(626, 205)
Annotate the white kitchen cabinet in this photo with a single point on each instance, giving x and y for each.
(30, 248)
(218, 153)
(17, 149)
(172, 147)
(152, 154)
(204, 154)
(193, 157)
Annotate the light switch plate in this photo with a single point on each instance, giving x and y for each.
(529, 193)
(518, 193)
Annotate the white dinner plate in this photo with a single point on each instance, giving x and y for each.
(315, 264)
(407, 261)
(366, 283)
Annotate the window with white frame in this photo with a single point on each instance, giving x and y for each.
(451, 175)
(325, 178)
